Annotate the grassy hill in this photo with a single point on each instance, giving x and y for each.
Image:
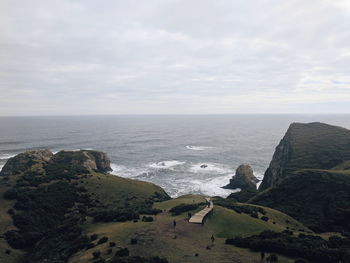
(157, 238)
(307, 146)
(318, 198)
(51, 200)
(63, 208)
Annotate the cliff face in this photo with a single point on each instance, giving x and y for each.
(276, 171)
(24, 161)
(83, 159)
(101, 160)
(243, 179)
(307, 146)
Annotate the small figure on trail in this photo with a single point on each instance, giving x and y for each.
(174, 223)
(212, 239)
(189, 215)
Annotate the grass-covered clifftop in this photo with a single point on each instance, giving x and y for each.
(49, 197)
(307, 146)
(309, 177)
(318, 198)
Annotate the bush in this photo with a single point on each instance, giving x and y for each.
(254, 214)
(150, 211)
(93, 237)
(96, 254)
(310, 247)
(133, 241)
(264, 218)
(147, 219)
(10, 194)
(112, 244)
(181, 208)
(246, 209)
(102, 240)
(124, 252)
(15, 239)
(11, 211)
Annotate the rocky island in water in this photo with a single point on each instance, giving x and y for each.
(66, 207)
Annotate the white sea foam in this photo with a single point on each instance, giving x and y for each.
(210, 168)
(165, 164)
(197, 148)
(209, 187)
(6, 156)
(260, 176)
(127, 172)
(1, 167)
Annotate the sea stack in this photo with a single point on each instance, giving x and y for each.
(243, 179)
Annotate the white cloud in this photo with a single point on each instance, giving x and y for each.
(174, 56)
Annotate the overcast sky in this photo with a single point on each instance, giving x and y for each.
(174, 57)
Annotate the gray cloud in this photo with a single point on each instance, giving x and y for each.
(137, 57)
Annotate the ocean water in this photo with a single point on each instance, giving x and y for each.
(165, 150)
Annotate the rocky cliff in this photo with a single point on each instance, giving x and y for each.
(87, 159)
(83, 159)
(23, 161)
(307, 146)
(243, 179)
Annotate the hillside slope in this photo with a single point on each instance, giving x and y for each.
(49, 197)
(307, 146)
(318, 198)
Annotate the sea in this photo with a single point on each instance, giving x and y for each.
(168, 150)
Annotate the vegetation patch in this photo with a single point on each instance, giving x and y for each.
(313, 248)
(181, 208)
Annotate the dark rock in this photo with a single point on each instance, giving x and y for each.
(204, 166)
(243, 179)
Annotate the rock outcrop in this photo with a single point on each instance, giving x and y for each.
(307, 146)
(243, 179)
(90, 160)
(23, 161)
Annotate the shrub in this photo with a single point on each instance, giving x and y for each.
(181, 208)
(264, 218)
(147, 219)
(15, 239)
(254, 214)
(133, 241)
(313, 248)
(93, 237)
(11, 211)
(102, 240)
(96, 254)
(124, 252)
(112, 244)
(11, 194)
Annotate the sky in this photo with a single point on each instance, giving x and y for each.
(84, 57)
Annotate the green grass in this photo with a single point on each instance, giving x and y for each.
(112, 190)
(185, 199)
(157, 238)
(318, 198)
